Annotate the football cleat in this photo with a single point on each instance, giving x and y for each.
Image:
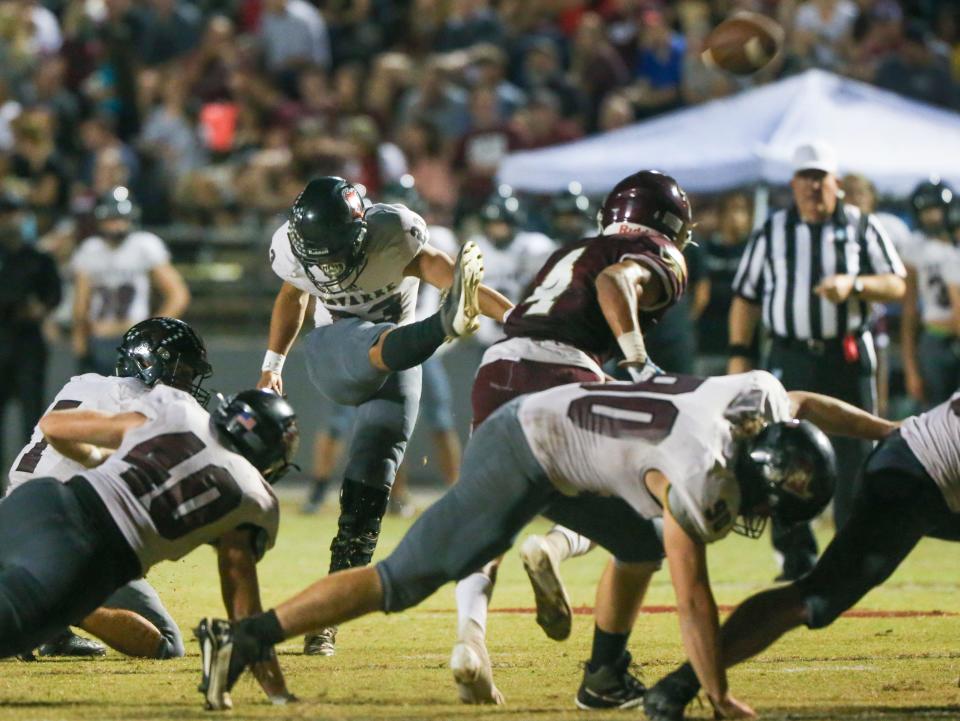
(225, 651)
(610, 686)
(323, 643)
(554, 615)
(71, 645)
(460, 307)
(473, 673)
(667, 699)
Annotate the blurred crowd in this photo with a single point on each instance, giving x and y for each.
(216, 112)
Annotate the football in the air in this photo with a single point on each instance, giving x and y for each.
(743, 43)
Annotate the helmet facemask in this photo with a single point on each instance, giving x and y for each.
(340, 269)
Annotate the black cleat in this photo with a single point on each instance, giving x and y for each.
(611, 686)
(668, 698)
(71, 645)
(225, 652)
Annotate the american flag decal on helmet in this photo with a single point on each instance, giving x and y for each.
(246, 420)
(352, 198)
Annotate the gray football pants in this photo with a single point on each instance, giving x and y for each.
(387, 402)
(140, 597)
(502, 488)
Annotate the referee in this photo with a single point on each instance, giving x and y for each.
(808, 276)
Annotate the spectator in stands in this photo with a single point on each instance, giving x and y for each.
(38, 165)
(208, 68)
(918, 72)
(616, 112)
(658, 67)
(435, 97)
(469, 22)
(542, 70)
(171, 29)
(595, 66)
(540, 123)
(47, 90)
(488, 67)
(29, 291)
(293, 34)
(480, 150)
(422, 145)
(10, 109)
(97, 135)
(822, 30)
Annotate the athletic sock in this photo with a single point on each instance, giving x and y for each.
(473, 598)
(407, 346)
(607, 648)
(565, 543)
(265, 627)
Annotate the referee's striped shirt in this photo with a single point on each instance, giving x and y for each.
(787, 258)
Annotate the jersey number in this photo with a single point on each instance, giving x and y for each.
(631, 416)
(31, 459)
(179, 507)
(939, 287)
(545, 295)
(114, 302)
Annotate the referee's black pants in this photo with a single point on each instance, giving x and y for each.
(821, 367)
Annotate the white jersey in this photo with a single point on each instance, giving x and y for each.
(171, 486)
(90, 391)
(381, 292)
(604, 437)
(509, 269)
(120, 276)
(934, 438)
(938, 265)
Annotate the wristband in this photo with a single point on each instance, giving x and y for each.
(632, 345)
(738, 350)
(273, 362)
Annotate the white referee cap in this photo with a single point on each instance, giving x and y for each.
(815, 155)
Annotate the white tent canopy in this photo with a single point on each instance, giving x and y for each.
(750, 138)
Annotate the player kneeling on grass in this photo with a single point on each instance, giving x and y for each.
(155, 351)
(700, 453)
(174, 478)
(910, 489)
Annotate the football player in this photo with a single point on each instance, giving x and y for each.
(570, 215)
(364, 266)
(511, 256)
(590, 302)
(155, 351)
(706, 455)
(932, 365)
(909, 489)
(160, 478)
(114, 273)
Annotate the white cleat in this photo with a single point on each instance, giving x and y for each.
(471, 668)
(554, 615)
(460, 307)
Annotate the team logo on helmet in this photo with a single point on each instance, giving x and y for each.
(352, 198)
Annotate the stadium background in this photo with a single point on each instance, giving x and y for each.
(216, 112)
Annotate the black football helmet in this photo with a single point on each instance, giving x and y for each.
(404, 192)
(262, 427)
(165, 350)
(652, 199)
(932, 193)
(116, 204)
(327, 229)
(791, 468)
(570, 216)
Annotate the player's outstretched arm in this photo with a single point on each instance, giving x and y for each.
(173, 290)
(289, 310)
(622, 290)
(436, 268)
(87, 436)
(839, 418)
(241, 597)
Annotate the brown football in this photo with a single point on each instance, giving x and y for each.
(743, 43)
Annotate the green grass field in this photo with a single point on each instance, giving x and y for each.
(395, 667)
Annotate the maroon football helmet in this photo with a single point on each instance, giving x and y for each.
(652, 199)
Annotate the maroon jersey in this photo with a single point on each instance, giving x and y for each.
(562, 303)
